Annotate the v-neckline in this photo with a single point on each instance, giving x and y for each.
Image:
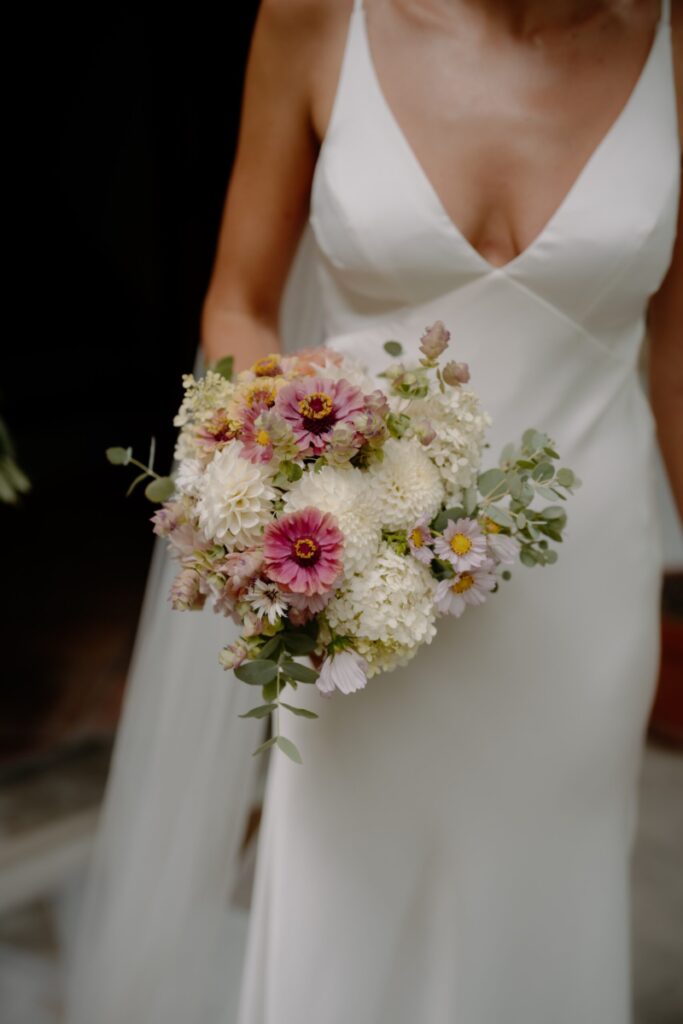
(569, 195)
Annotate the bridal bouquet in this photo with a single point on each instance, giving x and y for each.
(337, 521)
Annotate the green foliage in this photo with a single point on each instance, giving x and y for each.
(302, 712)
(393, 348)
(160, 489)
(262, 711)
(224, 367)
(258, 672)
(119, 456)
(288, 748)
(298, 643)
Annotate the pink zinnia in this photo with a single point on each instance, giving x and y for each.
(313, 405)
(303, 551)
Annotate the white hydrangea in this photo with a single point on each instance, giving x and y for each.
(460, 424)
(345, 494)
(388, 610)
(406, 483)
(235, 498)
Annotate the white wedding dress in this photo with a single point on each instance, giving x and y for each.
(455, 848)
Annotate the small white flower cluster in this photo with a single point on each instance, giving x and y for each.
(388, 610)
(460, 425)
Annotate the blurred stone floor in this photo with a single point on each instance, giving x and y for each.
(33, 935)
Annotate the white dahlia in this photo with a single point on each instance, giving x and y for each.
(346, 495)
(235, 498)
(388, 611)
(407, 484)
(188, 479)
(460, 426)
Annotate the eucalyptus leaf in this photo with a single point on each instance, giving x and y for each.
(224, 366)
(470, 499)
(491, 481)
(270, 690)
(303, 673)
(546, 492)
(393, 348)
(119, 456)
(288, 748)
(298, 643)
(272, 647)
(527, 556)
(260, 712)
(553, 512)
(543, 471)
(160, 489)
(500, 516)
(258, 672)
(551, 556)
(302, 712)
(264, 746)
(565, 477)
(551, 452)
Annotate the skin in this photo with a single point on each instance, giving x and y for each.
(501, 149)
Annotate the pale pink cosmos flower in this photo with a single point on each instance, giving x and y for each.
(463, 544)
(419, 541)
(303, 551)
(345, 671)
(451, 597)
(504, 549)
(313, 405)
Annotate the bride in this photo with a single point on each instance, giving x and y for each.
(455, 848)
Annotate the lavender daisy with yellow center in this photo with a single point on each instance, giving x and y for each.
(420, 541)
(313, 405)
(463, 544)
(453, 595)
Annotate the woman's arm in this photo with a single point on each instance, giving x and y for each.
(269, 190)
(665, 323)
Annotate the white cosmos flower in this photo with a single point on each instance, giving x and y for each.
(235, 498)
(407, 484)
(346, 495)
(345, 671)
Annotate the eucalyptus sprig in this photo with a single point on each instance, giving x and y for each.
(272, 670)
(160, 488)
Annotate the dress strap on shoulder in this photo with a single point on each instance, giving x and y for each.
(358, 5)
(665, 16)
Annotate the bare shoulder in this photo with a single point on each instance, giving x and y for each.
(677, 41)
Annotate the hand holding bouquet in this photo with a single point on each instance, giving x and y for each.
(331, 518)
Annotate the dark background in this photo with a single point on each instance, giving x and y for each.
(121, 162)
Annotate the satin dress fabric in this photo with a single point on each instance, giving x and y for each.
(455, 848)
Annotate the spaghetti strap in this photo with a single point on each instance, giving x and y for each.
(358, 5)
(665, 16)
